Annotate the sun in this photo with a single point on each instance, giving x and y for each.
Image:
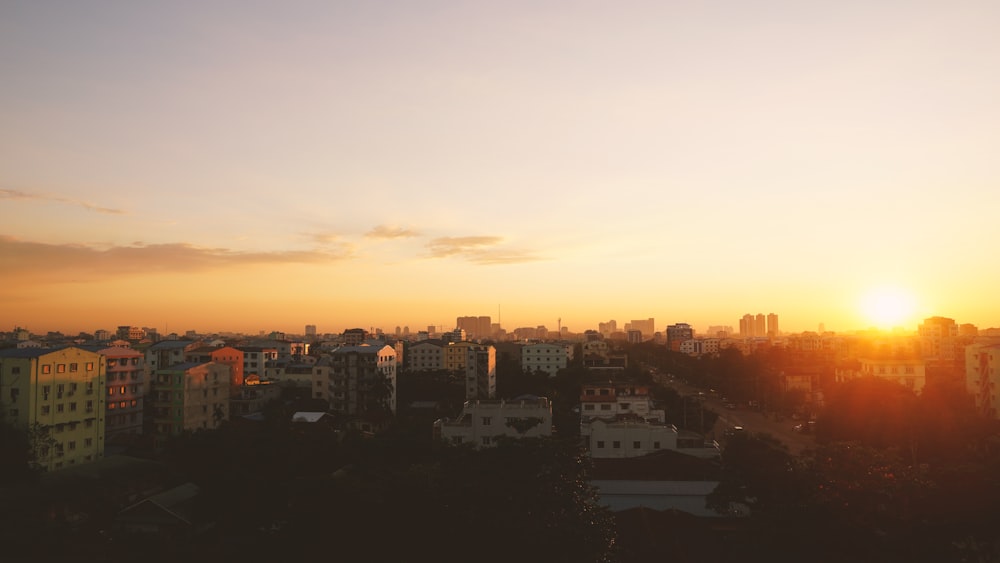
(888, 307)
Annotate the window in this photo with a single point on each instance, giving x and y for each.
(121, 405)
(486, 440)
(600, 444)
(588, 407)
(656, 445)
(590, 392)
(15, 370)
(12, 413)
(47, 368)
(89, 423)
(111, 391)
(111, 406)
(605, 391)
(74, 367)
(636, 445)
(60, 368)
(90, 387)
(133, 402)
(624, 406)
(487, 420)
(71, 445)
(14, 393)
(616, 444)
(90, 366)
(60, 389)
(90, 406)
(456, 439)
(605, 407)
(122, 390)
(59, 407)
(72, 407)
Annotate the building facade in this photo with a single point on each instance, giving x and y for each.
(362, 379)
(483, 421)
(546, 357)
(189, 396)
(58, 395)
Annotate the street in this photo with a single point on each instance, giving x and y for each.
(751, 420)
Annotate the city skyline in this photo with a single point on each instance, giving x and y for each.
(231, 167)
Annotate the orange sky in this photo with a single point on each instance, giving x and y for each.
(260, 168)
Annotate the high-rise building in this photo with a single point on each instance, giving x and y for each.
(475, 327)
(747, 326)
(760, 325)
(59, 392)
(646, 327)
(310, 332)
(772, 325)
(189, 396)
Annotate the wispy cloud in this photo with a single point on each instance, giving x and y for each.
(384, 231)
(323, 238)
(27, 196)
(479, 250)
(54, 262)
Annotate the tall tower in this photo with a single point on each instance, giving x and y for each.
(772, 324)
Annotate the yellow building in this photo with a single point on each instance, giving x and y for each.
(456, 355)
(59, 392)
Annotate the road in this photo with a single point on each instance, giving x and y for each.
(750, 420)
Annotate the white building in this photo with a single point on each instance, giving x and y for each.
(548, 357)
(699, 346)
(482, 421)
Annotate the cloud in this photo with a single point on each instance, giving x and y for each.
(478, 250)
(323, 238)
(19, 195)
(74, 262)
(383, 231)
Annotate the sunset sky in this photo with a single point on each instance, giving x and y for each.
(255, 166)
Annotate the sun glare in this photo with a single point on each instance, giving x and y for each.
(888, 307)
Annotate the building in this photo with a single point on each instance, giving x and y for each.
(677, 333)
(354, 336)
(362, 380)
(167, 353)
(310, 332)
(772, 325)
(426, 355)
(546, 357)
(60, 393)
(760, 325)
(483, 421)
(700, 346)
(480, 372)
(646, 327)
(908, 371)
(475, 327)
(189, 396)
(982, 374)
(227, 355)
(126, 391)
(255, 359)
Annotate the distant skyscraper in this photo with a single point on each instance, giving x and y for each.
(772, 324)
(646, 327)
(310, 331)
(475, 327)
(746, 326)
(760, 325)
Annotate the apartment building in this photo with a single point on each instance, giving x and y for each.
(982, 374)
(548, 357)
(480, 372)
(483, 421)
(189, 396)
(362, 379)
(60, 393)
(426, 355)
(126, 391)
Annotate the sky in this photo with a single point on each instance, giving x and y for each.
(248, 165)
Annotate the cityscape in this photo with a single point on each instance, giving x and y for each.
(522, 281)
